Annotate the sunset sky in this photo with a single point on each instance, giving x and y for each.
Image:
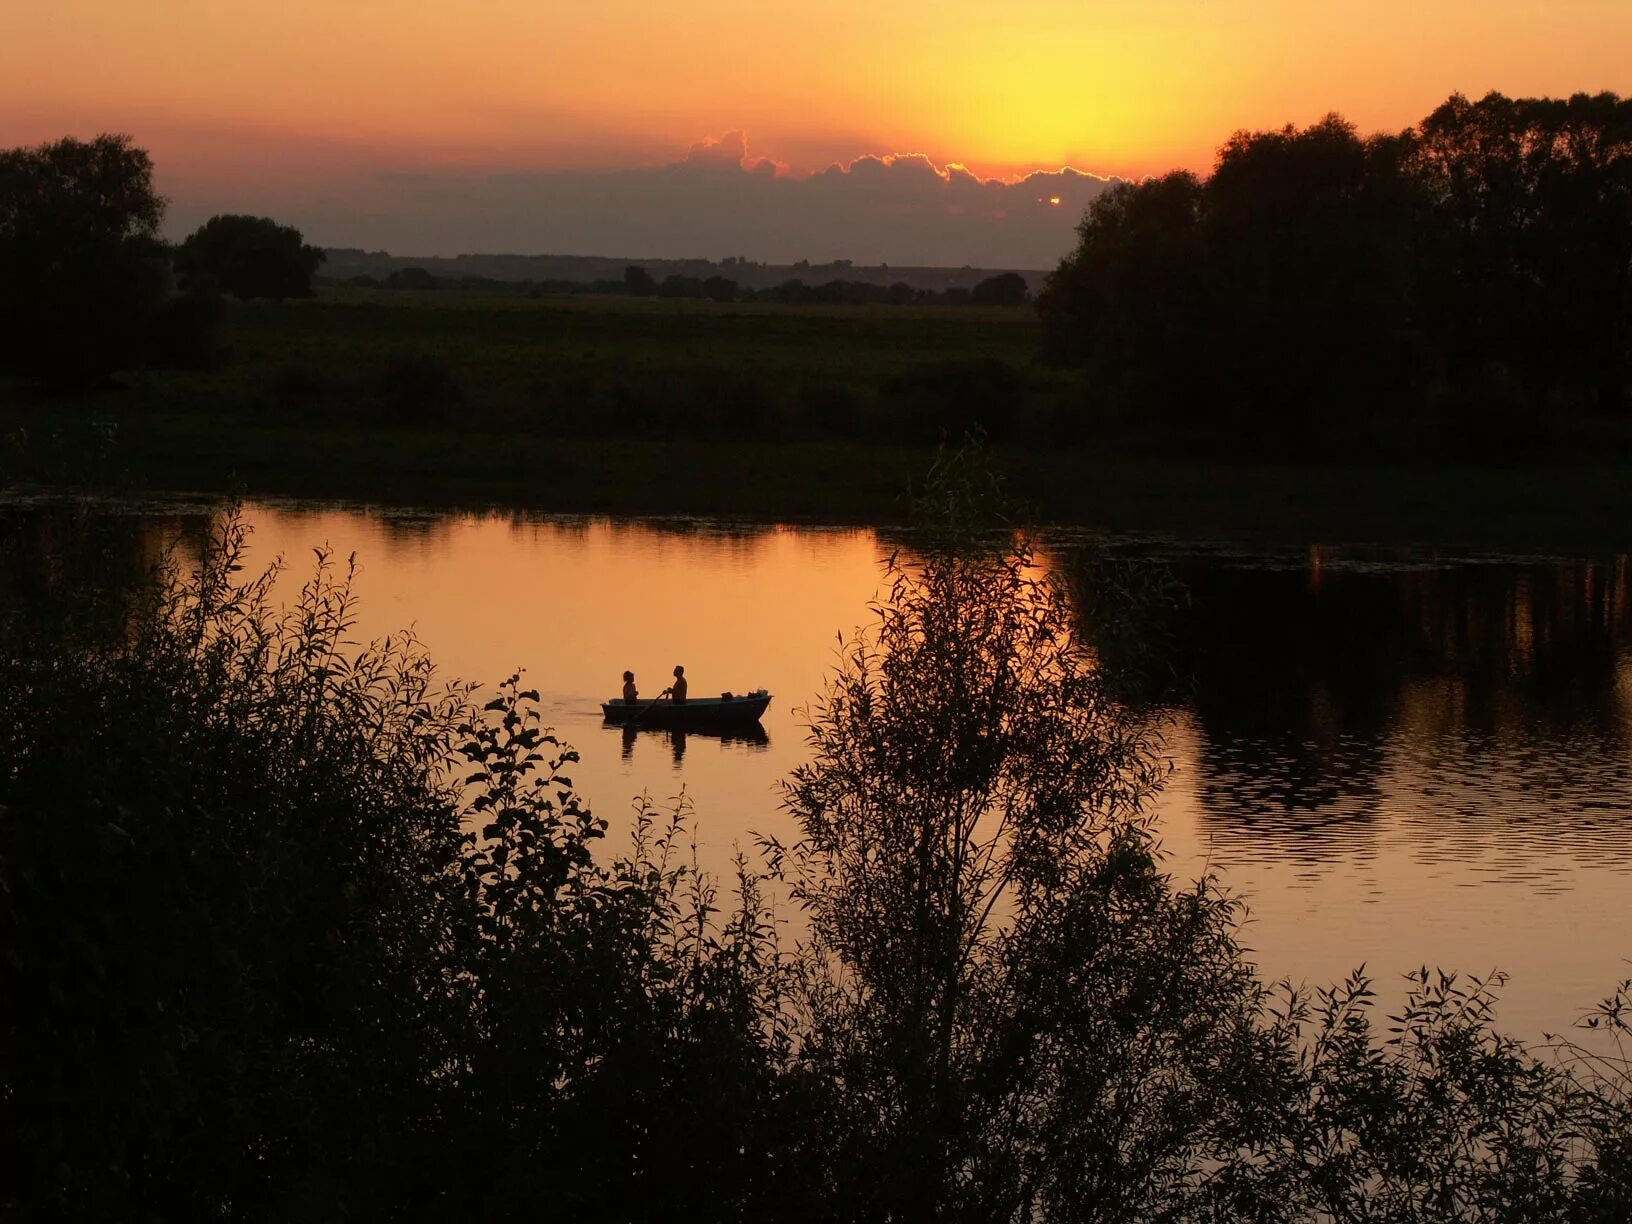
(438, 126)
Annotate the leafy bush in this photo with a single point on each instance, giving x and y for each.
(291, 930)
(268, 955)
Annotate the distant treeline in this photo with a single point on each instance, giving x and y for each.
(1462, 287)
(87, 286)
(1473, 273)
(343, 263)
(1002, 289)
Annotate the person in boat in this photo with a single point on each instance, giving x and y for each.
(677, 691)
(630, 693)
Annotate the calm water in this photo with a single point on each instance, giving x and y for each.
(1397, 757)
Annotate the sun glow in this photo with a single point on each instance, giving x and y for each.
(1118, 87)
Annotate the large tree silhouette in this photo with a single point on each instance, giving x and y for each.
(1323, 284)
(248, 257)
(81, 267)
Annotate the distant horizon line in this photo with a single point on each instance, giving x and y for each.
(718, 261)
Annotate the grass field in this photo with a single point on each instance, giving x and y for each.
(645, 406)
(515, 357)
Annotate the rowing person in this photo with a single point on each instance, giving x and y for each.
(678, 690)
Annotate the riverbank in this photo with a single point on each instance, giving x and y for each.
(652, 407)
(1568, 506)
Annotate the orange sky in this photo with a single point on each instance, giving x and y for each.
(222, 88)
(1121, 87)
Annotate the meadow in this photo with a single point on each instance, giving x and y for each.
(659, 406)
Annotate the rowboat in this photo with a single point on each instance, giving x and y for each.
(702, 713)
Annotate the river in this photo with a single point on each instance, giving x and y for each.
(1397, 757)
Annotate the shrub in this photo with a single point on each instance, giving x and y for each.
(291, 930)
(270, 955)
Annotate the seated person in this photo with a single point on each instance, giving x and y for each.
(630, 692)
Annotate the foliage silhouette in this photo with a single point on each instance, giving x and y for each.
(1004, 289)
(293, 930)
(81, 265)
(270, 957)
(1320, 285)
(411, 278)
(638, 281)
(248, 257)
(1027, 1020)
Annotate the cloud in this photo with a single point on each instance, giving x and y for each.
(716, 200)
(727, 151)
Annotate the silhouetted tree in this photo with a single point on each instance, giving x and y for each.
(1132, 303)
(1307, 244)
(1020, 1016)
(1318, 283)
(720, 289)
(1530, 267)
(290, 931)
(638, 281)
(81, 266)
(248, 257)
(269, 954)
(1004, 289)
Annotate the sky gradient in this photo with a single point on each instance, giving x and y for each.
(439, 126)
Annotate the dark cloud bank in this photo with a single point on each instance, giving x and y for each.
(719, 201)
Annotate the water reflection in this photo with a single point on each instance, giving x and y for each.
(753, 738)
(1471, 692)
(1397, 755)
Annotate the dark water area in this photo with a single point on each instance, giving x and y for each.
(1398, 756)
(1412, 756)
(1309, 682)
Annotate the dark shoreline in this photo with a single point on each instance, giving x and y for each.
(1578, 505)
(672, 408)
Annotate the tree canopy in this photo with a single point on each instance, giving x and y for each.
(248, 257)
(1319, 279)
(1004, 289)
(81, 265)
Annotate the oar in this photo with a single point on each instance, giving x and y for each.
(649, 705)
